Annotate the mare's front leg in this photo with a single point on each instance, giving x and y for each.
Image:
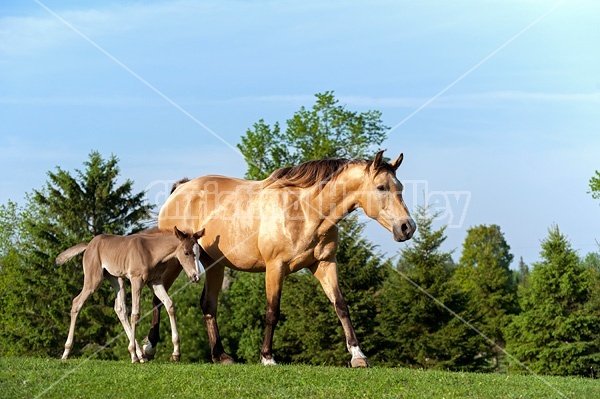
(326, 273)
(161, 293)
(273, 283)
(209, 301)
(153, 338)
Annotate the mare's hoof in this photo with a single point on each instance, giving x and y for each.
(175, 358)
(268, 362)
(148, 350)
(223, 359)
(359, 362)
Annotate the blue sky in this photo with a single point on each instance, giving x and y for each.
(495, 104)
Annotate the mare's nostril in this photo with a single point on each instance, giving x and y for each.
(405, 228)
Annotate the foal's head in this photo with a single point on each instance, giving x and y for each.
(381, 197)
(188, 253)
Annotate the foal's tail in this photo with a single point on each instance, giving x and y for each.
(71, 253)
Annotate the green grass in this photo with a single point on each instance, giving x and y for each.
(50, 378)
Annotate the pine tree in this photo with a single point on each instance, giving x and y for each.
(522, 274)
(66, 211)
(10, 279)
(595, 185)
(415, 330)
(483, 272)
(555, 333)
(243, 316)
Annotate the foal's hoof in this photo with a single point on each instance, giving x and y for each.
(175, 358)
(359, 362)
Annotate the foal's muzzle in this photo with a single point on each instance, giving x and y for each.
(404, 229)
(195, 278)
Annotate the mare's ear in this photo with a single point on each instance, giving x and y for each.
(199, 234)
(396, 163)
(378, 161)
(180, 234)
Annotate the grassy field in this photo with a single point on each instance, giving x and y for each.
(50, 378)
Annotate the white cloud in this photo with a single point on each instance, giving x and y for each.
(33, 34)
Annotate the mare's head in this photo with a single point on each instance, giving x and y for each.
(188, 253)
(381, 197)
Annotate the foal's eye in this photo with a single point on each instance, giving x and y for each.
(381, 188)
(186, 253)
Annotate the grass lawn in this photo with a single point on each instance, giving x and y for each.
(78, 378)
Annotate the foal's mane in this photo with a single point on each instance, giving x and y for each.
(318, 172)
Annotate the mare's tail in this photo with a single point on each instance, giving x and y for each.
(71, 253)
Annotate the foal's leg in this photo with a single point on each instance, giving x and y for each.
(91, 281)
(273, 284)
(161, 293)
(118, 285)
(326, 273)
(210, 295)
(136, 290)
(153, 338)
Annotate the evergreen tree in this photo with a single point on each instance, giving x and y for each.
(595, 185)
(522, 274)
(327, 130)
(66, 211)
(10, 278)
(484, 273)
(555, 333)
(414, 330)
(242, 318)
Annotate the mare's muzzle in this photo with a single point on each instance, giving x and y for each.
(404, 229)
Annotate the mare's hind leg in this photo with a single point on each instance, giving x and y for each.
(92, 279)
(118, 285)
(161, 293)
(210, 295)
(153, 338)
(326, 273)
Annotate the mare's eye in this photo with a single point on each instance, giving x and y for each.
(381, 188)
(186, 253)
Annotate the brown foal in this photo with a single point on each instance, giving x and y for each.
(142, 258)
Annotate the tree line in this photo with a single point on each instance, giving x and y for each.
(423, 310)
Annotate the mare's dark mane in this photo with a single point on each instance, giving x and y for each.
(178, 183)
(318, 172)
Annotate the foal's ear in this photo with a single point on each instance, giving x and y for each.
(396, 163)
(180, 234)
(378, 161)
(199, 234)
